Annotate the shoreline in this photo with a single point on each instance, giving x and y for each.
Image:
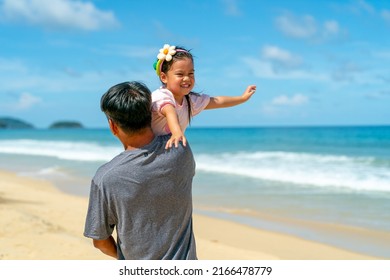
(40, 222)
(370, 242)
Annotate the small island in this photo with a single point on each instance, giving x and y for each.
(66, 124)
(12, 123)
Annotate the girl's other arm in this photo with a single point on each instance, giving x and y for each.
(173, 123)
(230, 101)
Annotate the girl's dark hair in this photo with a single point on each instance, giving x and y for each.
(181, 53)
(129, 105)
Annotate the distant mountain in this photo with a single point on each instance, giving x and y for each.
(11, 123)
(66, 124)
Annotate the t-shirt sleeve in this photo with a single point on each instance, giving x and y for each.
(199, 102)
(97, 224)
(160, 98)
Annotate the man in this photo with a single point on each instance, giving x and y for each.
(145, 192)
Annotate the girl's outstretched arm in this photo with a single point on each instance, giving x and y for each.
(173, 123)
(230, 101)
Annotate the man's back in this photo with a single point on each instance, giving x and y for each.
(147, 194)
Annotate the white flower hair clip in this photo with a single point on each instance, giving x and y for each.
(165, 54)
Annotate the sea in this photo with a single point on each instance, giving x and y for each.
(326, 184)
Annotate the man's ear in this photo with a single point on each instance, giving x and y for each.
(113, 127)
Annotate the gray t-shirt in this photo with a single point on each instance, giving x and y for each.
(146, 194)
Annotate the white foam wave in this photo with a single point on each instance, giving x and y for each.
(79, 151)
(45, 172)
(358, 173)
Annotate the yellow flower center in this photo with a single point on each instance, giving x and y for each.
(166, 51)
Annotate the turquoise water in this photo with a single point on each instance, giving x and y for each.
(330, 175)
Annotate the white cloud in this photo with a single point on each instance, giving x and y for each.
(277, 106)
(62, 14)
(295, 100)
(378, 95)
(281, 56)
(26, 100)
(231, 7)
(265, 69)
(10, 65)
(386, 15)
(356, 7)
(331, 27)
(381, 54)
(306, 27)
(363, 5)
(346, 72)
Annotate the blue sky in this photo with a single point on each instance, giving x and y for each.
(314, 62)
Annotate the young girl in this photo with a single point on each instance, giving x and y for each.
(174, 103)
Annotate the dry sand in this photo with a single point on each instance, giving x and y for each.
(39, 222)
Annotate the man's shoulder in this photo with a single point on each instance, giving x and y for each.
(105, 170)
(172, 155)
(140, 157)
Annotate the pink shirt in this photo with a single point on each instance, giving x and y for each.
(162, 97)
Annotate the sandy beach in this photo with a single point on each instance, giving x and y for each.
(39, 222)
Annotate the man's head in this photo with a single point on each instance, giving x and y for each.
(128, 105)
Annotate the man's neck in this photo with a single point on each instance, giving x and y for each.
(137, 140)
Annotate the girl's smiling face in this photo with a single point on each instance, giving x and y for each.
(180, 78)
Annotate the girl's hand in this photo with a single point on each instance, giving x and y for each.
(174, 140)
(250, 90)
